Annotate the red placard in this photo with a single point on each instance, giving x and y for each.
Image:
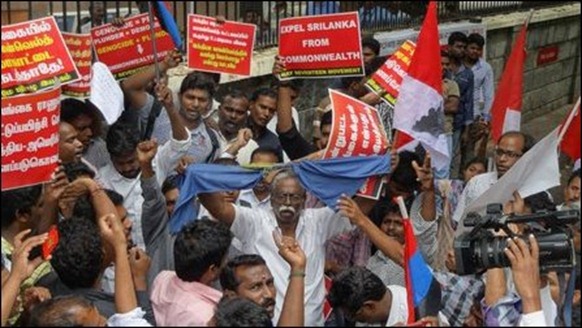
(34, 57)
(548, 55)
(80, 49)
(386, 81)
(356, 130)
(30, 138)
(220, 48)
(128, 49)
(321, 46)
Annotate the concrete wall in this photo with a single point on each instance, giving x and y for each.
(550, 86)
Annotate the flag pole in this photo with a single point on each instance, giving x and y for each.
(153, 37)
(529, 17)
(569, 120)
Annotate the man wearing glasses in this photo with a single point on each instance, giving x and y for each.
(511, 146)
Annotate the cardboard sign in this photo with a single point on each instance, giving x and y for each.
(220, 48)
(385, 82)
(128, 49)
(80, 49)
(321, 46)
(34, 57)
(30, 138)
(356, 130)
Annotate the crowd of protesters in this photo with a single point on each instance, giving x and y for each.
(260, 257)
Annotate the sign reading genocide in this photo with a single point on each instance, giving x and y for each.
(34, 57)
(220, 48)
(127, 49)
(30, 138)
(356, 130)
(321, 46)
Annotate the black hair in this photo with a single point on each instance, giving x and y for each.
(78, 257)
(228, 279)
(241, 312)
(115, 197)
(266, 92)
(84, 208)
(477, 39)
(170, 183)
(349, 80)
(59, 311)
(122, 139)
(75, 169)
(354, 286)
(236, 94)
(476, 160)
(374, 65)
(72, 108)
(373, 44)
(528, 140)
(457, 37)
(266, 150)
(540, 202)
(404, 174)
(198, 80)
(575, 174)
(326, 119)
(18, 201)
(199, 245)
(226, 161)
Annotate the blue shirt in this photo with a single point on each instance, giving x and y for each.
(465, 80)
(322, 7)
(483, 92)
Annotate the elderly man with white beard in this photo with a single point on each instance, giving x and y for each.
(310, 227)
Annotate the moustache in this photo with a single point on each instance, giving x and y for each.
(286, 208)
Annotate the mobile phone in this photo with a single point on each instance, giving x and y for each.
(46, 248)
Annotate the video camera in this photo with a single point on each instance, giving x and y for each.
(479, 249)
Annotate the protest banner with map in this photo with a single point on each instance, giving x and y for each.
(220, 47)
(321, 46)
(35, 57)
(356, 130)
(80, 49)
(128, 49)
(30, 138)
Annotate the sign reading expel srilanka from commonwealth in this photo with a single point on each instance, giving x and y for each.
(321, 46)
(356, 130)
(220, 47)
(35, 57)
(385, 82)
(128, 49)
(80, 49)
(30, 138)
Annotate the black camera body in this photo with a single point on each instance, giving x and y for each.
(479, 250)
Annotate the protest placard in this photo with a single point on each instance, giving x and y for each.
(220, 48)
(356, 130)
(127, 49)
(30, 138)
(321, 46)
(385, 82)
(80, 49)
(34, 57)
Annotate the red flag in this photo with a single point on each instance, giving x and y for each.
(419, 108)
(570, 142)
(506, 108)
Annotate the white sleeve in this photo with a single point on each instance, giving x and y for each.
(245, 222)
(168, 156)
(534, 319)
(133, 318)
(461, 204)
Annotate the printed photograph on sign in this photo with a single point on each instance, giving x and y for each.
(128, 49)
(30, 138)
(35, 57)
(316, 47)
(220, 47)
(356, 130)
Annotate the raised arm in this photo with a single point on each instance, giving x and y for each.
(220, 209)
(425, 177)
(388, 245)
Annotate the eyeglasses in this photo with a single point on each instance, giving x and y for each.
(293, 198)
(500, 152)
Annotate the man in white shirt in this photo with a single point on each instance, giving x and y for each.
(310, 227)
(511, 146)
